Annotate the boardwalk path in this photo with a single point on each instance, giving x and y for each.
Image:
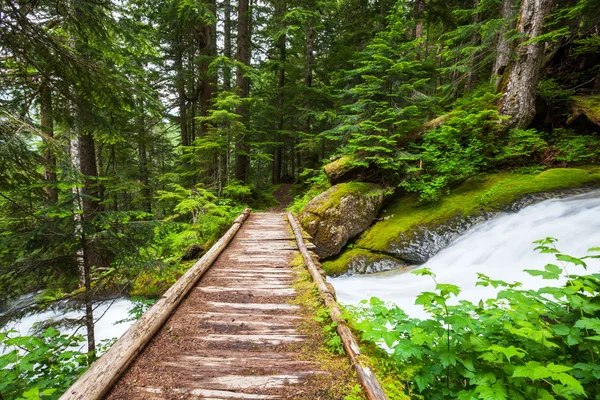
(236, 335)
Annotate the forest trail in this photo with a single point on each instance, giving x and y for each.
(284, 197)
(237, 335)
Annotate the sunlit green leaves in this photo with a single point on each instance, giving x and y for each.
(524, 344)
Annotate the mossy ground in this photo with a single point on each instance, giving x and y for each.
(343, 382)
(480, 193)
(340, 381)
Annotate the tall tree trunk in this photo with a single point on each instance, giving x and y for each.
(419, 12)
(47, 126)
(519, 83)
(243, 87)
(180, 83)
(143, 159)
(207, 52)
(308, 76)
(227, 45)
(471, 79)
(280, 98)
(82, 256)
(509, 12)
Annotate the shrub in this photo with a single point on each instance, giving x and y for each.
(524, 344)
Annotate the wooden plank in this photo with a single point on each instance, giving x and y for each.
(366, 377)
(100, 377)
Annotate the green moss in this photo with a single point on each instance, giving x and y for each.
(339, 265)
(587, 105)
(154, 282)
(339, 379)
(480, 193)
(334, 195)
(339, 167)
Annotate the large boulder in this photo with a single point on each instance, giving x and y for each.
(341, 213)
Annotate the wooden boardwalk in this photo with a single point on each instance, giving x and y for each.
(235, 334)
(230, 328)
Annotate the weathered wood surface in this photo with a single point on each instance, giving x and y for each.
(101, 376)
(236, 335)
(367, 378)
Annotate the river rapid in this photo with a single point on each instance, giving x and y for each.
(500, 248)
(108, 315)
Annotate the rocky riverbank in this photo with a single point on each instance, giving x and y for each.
(408, 232)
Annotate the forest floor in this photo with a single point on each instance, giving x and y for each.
(284, 196)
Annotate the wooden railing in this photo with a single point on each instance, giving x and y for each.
(97, 381)
(366, 377)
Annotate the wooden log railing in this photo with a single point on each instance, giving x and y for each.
(103, 374)
(366, 377)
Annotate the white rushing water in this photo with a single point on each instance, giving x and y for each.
(106, 314)
(500, 248)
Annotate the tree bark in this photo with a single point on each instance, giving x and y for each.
(280, 99)
(207, 48)
(243, 87)
(471, 79)
(509, 12)
(519, 83)
(143, 160)
(47, 127)
(227, 45)
(180, 83)
(82, 256)
(419, 12)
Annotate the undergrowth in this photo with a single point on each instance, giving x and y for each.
(523, 344)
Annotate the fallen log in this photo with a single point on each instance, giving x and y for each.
(97, 381)
(366, 377)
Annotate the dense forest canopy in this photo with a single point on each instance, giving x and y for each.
(120, 116)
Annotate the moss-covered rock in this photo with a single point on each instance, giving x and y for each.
(585, 105)
(414, 232)
(341, 213)
(347, 168)
(361, 261)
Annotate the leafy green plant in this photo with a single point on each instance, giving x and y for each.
(522, 147)
(572, 148)
(39, 367)
(318, 183)
(523, 344)
(461, 147)
(332, 339)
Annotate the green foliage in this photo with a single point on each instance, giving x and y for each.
(556, 97)
(461, 147)
(317, 184)
(523, 147)
(577, 149)
(39, 367)
(329, 327)
(523, 344)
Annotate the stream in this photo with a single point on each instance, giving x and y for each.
(500, 248)
(106, 315)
